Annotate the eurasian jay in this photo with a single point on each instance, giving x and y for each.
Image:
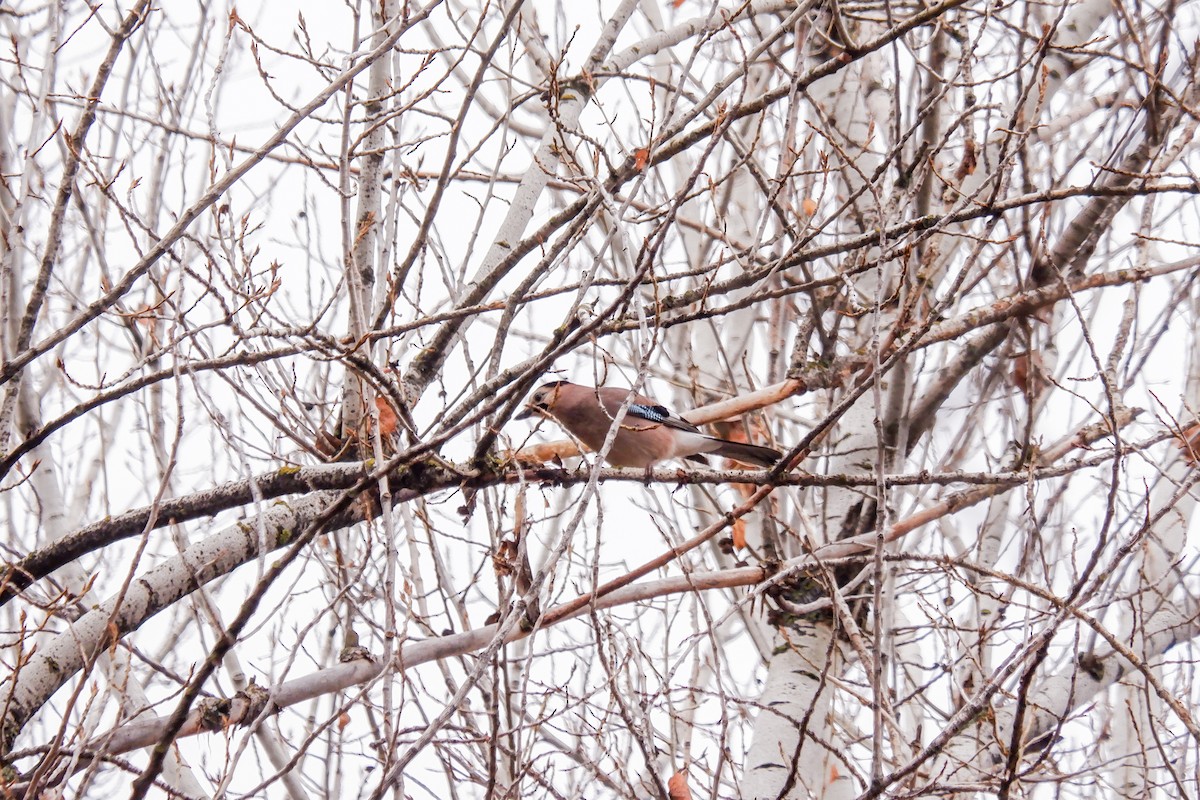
(649, 432)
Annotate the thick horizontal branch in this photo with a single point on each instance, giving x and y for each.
(268, 486)
(431, 477)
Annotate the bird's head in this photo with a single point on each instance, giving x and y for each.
(542, 401)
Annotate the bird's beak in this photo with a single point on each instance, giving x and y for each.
(533, 410)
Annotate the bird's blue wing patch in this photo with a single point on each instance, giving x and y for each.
(658, 414)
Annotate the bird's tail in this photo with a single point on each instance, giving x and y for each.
(748, 453)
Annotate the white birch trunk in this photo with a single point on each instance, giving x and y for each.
(775, 766)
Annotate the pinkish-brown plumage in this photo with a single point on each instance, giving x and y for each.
(649, 432)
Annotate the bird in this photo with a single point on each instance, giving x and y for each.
(649, 432)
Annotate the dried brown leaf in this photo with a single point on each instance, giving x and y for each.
(677, 788)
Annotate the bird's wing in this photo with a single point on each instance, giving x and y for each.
(644, 409)
(662, 415)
